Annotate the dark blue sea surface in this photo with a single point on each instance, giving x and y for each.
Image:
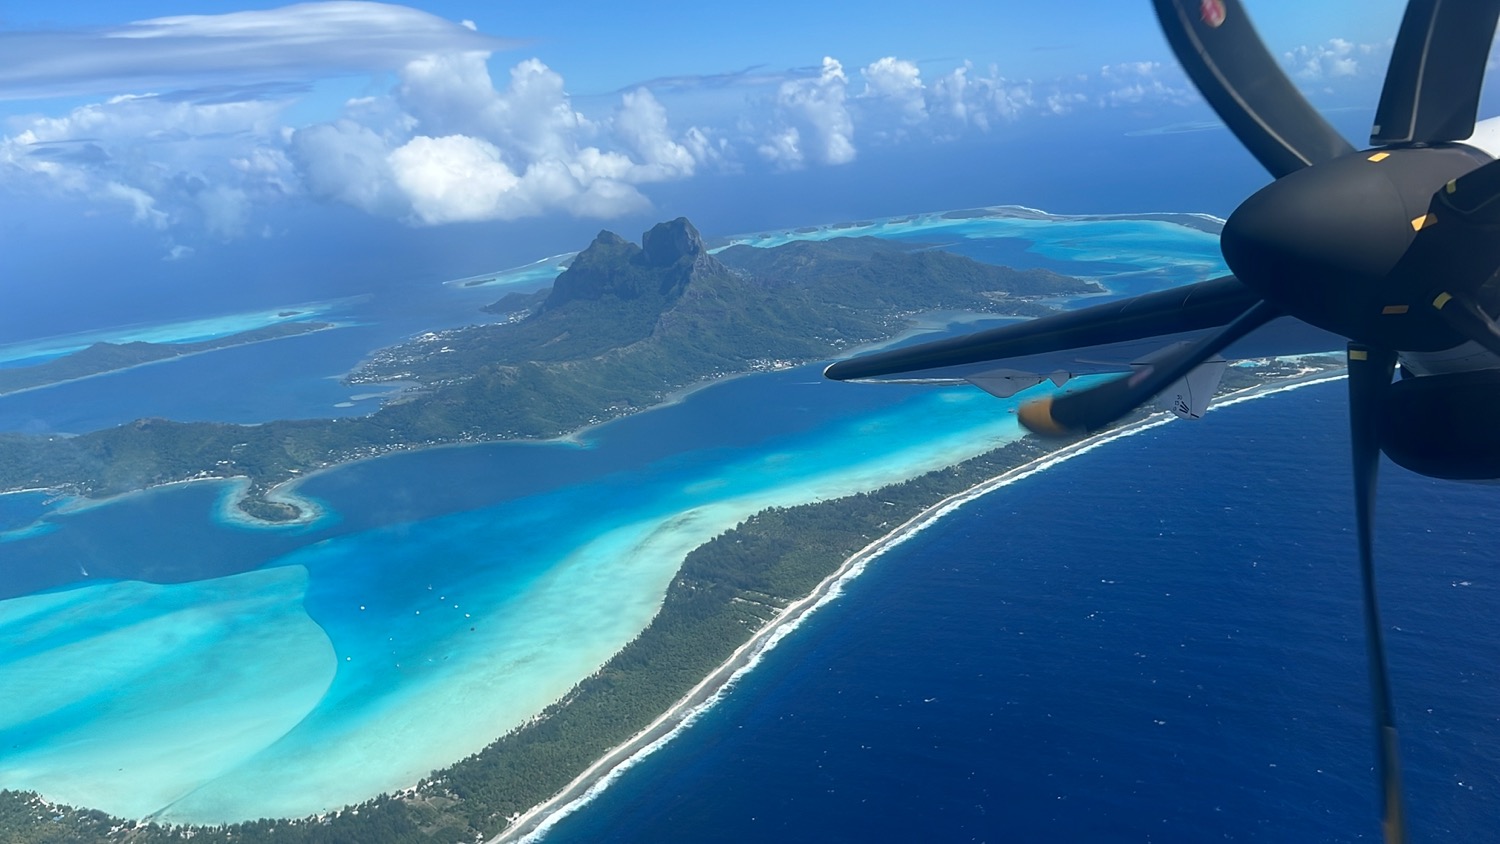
(295, 377)
(1157, 641)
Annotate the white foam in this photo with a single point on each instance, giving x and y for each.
(543, 817)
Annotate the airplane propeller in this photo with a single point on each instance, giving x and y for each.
(1369, 379)
(1395, 248)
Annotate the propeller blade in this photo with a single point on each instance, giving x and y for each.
(1431, 91)
(1096, 407)
(1207, 304)
(1220, 50)
(1369, 378)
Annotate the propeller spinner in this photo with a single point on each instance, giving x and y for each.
(1394, 248)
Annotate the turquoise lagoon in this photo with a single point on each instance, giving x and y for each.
(172, 662)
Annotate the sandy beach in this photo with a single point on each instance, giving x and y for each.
(533, 824)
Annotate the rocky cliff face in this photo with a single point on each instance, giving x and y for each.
(671, 257)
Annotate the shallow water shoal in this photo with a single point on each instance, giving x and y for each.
(482, 582)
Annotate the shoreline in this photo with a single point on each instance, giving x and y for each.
(1194, 220)
(533, 824)
(283, 491)
(327, 326)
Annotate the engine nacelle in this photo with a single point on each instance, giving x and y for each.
(1445, 426)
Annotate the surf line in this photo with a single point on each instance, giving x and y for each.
(531, 825)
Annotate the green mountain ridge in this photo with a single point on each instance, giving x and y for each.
(623, 328)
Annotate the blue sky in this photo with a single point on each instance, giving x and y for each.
(189, 129)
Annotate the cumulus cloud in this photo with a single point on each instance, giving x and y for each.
(816, 105)
(1333, 58)
(949, 94)
(298, 41)
(347, 162)
(898, 84)
(458, 178)
(1337, 59)
(143, 206)
(460, 136)
(641, 124)
(471, 151)
(1134, 83)
(445, 144)
(783, 148)
(453, 94)
(968, 97)
(453, 178)
(168, 160)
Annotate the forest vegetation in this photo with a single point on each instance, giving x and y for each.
(621, 329)
(725, 591)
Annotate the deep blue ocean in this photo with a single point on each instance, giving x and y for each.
(1157, 641)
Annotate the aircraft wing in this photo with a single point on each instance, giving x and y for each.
(1102, 338)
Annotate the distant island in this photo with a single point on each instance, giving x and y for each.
(658, 310)
(1206, 223)
(113, 357)
(622, 329)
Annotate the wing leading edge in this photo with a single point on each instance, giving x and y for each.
(1101, 338)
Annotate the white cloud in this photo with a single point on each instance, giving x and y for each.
(965, 97)
(169, 159)
(641, 124)
(1060, 102)
(705, 147)
(899, 84)
(445, 145)
(818, 106)
(949, 92)
(208, 157)
(456, 138)
(1333, 59)
(531, 118)
(143, 207)
(993, 97)
(474, 152)
(454, 178)
(450, 93)
(1136, 83)
(783, 149)
(302, 41)
(345, 161)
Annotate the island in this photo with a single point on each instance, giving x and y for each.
(661, 316)
(729, 594)
(622, 329)
(100, 358)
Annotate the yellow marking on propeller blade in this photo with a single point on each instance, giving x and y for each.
(1441, 300)
(1358, 354)
(1423, 221)
(1037, 417)
(1452, 186)
(1395, 309)
(1379, 157)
